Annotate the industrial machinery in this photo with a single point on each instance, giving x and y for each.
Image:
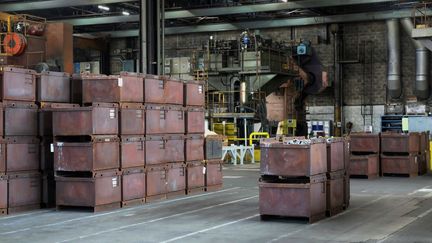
(21, 43)
(253, 83)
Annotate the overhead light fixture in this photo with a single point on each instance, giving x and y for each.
(284, 1)
(103, 7)
(125, 13)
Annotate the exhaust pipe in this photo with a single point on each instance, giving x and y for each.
(421, 89)
(394, 85)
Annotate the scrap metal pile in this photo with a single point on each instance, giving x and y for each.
(102, 142)
(304, 178)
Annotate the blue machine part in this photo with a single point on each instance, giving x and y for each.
(302, 49)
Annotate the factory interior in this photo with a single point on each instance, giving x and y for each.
(215, 121)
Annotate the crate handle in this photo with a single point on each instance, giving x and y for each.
(180, 115)
(163, 174)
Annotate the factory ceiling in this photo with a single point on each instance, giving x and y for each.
(183, 16)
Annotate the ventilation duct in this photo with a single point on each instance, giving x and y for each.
(393, 70)
(421, 89)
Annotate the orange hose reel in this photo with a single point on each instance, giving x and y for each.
(14, 43)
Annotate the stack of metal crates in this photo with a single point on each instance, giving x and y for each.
(364, 155)
(194, 101)
(53, 92)
(127, 91)
(293, 178)
(400, 154)
(20, 178)
(337, 181)
(87, 145)
(213, 162)
(165, 129)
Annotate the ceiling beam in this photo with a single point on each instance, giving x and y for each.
(101, 20)
(268, 7)
(277, 23)
(38, 5)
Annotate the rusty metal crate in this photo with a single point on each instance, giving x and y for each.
(400, 143)
(365, 142)
(335, 154)
(13, 115)
(132, 119)
(24, 191)
(347, 191)
(194, 120)
(48, 190)
(99, 119)
(213, 174)
(18, 154)
(194, 93)
(194, 147)
(297, 200)
(213, 147)
(164, 149)
(335, 192)
(163, 90)
(100, 192)
(156, 184)
(176, 179)
(195, 179)
(364, 165)
(100, 153)
(133, 186)
(3, 194)
(132, 152)
(45, 117)
(126, 87)
(292, 160)
(53, 87)
(18, 84)
(164, 120)
(399, 165)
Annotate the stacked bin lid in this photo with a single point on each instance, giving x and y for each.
(19, 144)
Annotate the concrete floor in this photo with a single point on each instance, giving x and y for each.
(382, 210)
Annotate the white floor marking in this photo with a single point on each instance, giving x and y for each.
(147, 206)
(324, 220)
(157, 219)
(209, 229)
(26, 214)
(233, 177)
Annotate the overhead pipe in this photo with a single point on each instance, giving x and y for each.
(421, 89)
(394, 85)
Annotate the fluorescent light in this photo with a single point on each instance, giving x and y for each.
(103, 7)
(125, 13)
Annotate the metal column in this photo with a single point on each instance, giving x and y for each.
(150, 23)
